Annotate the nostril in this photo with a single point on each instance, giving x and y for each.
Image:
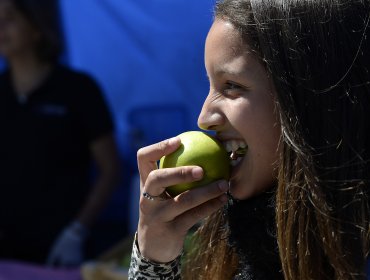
(210, 120)
(206, 126)
(212, 127)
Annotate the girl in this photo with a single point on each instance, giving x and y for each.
(289, 79)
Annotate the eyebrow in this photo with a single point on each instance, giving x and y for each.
(222, 70)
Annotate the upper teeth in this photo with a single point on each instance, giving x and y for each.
(233, 145)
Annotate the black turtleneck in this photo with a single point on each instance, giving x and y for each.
(253, 234)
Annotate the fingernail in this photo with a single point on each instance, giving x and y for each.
(197, 172)
(223, 185)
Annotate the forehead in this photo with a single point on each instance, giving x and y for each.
(224, 37)
(225, 50)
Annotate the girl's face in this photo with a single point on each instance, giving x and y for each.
(240, 107)
(17, 35)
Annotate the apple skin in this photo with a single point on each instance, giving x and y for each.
(201, 149)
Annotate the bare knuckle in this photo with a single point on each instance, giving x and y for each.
(146, 208)
(182, 173)
(185, 173)
(162, 146)
(154, 214)
(140, 154)
(162, 175)
(143, 207)
(151, 176)
(157, 176)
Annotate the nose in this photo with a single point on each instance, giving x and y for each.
(210, 117)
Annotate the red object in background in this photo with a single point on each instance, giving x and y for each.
(10, 270)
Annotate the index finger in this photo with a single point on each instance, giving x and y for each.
(148, 156)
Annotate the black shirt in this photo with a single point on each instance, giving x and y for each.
(44, 152)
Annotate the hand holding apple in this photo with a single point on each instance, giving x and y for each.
(200, 149)
(163, 225)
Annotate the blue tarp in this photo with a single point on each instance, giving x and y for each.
(144, 53)
(147, 55)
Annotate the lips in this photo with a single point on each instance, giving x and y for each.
(237, 150)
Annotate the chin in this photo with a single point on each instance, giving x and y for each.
(243, 189)
(239, 190)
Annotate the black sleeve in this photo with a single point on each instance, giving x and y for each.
(93, 113)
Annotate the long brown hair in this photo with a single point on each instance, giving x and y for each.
(210, 257)
(318, 53)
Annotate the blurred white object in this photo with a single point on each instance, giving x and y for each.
(67, 250)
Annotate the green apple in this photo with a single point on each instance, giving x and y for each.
(201, 149)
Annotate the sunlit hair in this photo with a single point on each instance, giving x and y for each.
(318, 54)
(45, 16)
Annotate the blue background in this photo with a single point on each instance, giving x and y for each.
(147, 56)
(142, 52)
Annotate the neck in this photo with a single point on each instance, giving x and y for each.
(27, 73)
(252, 234)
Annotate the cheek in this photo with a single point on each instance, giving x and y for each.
(240, 115)
(268, 133)
(262, 127)
(266, 145)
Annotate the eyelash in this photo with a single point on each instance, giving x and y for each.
(232, 89)
(232, 84)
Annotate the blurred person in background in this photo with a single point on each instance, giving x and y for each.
(53, 122)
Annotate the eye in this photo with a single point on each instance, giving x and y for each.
(232, 86)
(233, 89)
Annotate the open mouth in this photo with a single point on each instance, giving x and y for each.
(237, 156)
(237, 150)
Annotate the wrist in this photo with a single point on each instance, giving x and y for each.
(155, 252)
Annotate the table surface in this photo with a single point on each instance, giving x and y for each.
(10, 270)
